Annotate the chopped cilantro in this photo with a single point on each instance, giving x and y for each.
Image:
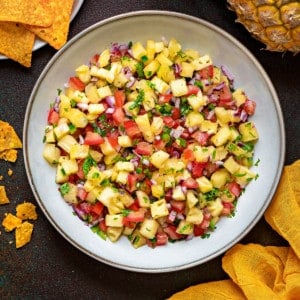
(64, 188)
(99, 232)
(72, 128)
(87, 164)
(138, 101)
(140, 69)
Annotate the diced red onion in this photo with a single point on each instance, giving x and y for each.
(175, 154)
(184, 189)
(189, 237)
(177, 102)
(131, 82)
(81, 139)
(110, 100)
(56, 104)
(164, 40)
(157, 137)
(189, 166)
(145, 162)
(219, 86)
(192, 129)
(219, 163)
(153, 182)
(110, 110)
(172, 215)
(82, 106)
(213, 98)
(210, 114)
(176, 133)
(243, 116)
(180, 216)
(227, 73)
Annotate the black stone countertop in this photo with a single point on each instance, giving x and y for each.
(51, 268)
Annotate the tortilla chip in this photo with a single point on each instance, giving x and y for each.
(10, 222)
(33, 12)
(26, 211)
(3, 196)
(9, 155)
(8, 137)
(16, 42)
(23, 234)
(56, 34)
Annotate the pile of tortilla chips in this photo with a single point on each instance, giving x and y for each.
(23, 228)
(21, 21)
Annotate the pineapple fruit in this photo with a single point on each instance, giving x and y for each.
(276, 23)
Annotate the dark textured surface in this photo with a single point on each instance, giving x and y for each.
(49, 267)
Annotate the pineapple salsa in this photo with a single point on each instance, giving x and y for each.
(152, 142)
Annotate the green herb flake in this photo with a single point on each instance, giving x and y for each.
(138, 101)
(64, 188)
(72, 128)
(87, 164)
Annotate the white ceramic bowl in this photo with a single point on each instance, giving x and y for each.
(192, 33)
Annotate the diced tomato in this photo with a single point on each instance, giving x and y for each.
(178, 206)
(135, 216)
(94, 59)
(249, 107)
(198, 230)
(170, 230)
(225, 95)
(169, 121)
(206, 221)
(118, 115)
(93, 138)
(188, 154)
(113, 140)
(207, 72)
(159, 144)
(80, 172)
(132, 180)
(190, 183)
(197, 169)
(201, 137)
(144, 148)
(76, 84)
(53, 117)
(192, 90)
(88, 128)
(175, 113)
(102, 225)
(134, 206)
(161, 239)
(131, 128)
(228, 207)
(234, 188)
(82, 193)
(97, 208)
(211, 168)
(164, 98)
(119, 98)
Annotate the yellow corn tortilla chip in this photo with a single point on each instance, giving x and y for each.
(9, 155)
(10, 222)
(56, 34)
(8, 137)
(16, 42)
(33, 12)
(26, 211)
(3, 197)
(23, 234)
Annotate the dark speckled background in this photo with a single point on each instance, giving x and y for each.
(49, 267)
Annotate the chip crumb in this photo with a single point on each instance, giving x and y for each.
(8, 136)
(1, 177)
(26, 211)
(10, 172)
(10, 155)
(10, 222)
(23, 234)
(3, 197)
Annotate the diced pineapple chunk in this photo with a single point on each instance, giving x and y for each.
(143, 199)
(69, 166)
(104, 91)
(124, 166)
(96, 108)
(222, 136)
(191, 199)
(224, 116)
(187, 70)
(243, 175)
(69, 192)
(67, 142)
(61, 175)
(179, 87)
(174, 47)
(114, 233)
(162, 59)
(126, 199)
(49, 134)
(137, 239)
(149, 228)
(138, 50)
(178, 194)
(122, 177)
(61, 130)
(194, 215)
(124, 141)
(95, 175)
(83, 73)
(51, 153)
(157, 125)
(159, 209)
(144, 126)
(239, 97)
(193, 119)
(106, 195)
(215, 207)
(209, 127)
(151, 68)
(77, 117)
(196, 101)
(104, 58)
(91, 93)
(185, 227)
(204, 184)
(166, 73)
(78, 151)
(219, 178)
(157, 190)
(115, 220)
(158, 158)
(202, 62)
(107, 148)
(203, 154)
(231, 165)
(248, 132)
(159, 85)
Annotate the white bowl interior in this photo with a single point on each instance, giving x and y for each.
(192, 33)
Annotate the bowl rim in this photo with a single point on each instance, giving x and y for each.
(199, 21)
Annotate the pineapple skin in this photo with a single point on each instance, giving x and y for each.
(276, 23)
